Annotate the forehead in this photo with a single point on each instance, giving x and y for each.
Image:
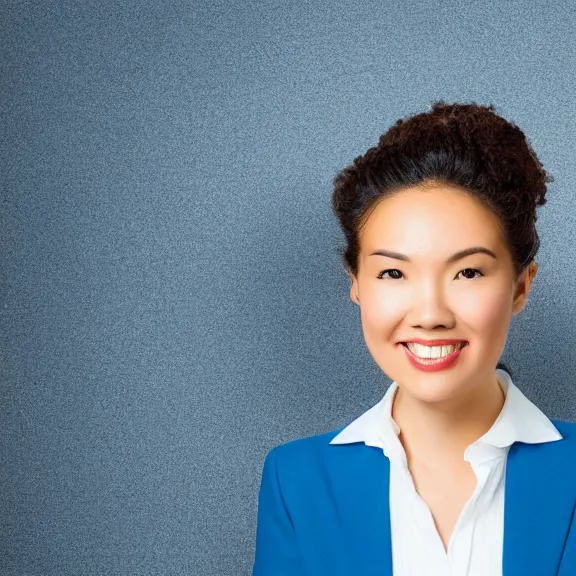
(435, 219)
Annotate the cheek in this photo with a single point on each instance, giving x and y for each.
(380, 312)
(488, 313)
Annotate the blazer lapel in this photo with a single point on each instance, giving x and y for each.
(538, 505)
(361, 491)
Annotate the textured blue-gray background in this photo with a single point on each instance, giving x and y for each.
(172, 299)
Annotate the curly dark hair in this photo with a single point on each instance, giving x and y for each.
(464, 145)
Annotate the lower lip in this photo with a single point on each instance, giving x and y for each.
(432, 365)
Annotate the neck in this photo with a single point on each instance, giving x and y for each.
(441, 431)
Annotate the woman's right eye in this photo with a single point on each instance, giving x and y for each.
(381, 275)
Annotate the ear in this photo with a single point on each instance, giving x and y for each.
(523, 286)
(353, 288)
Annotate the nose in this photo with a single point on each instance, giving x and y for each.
(429, 308)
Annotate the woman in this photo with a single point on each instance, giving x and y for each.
(454, 471)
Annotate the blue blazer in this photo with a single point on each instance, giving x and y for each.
(323, 510)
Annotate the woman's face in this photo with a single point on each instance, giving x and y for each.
(428, 296)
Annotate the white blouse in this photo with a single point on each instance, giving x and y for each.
(476, 544)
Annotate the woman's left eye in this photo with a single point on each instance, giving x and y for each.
(473, 270)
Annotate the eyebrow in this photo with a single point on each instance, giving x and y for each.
(453, 258)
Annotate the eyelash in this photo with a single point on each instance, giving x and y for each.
(393, 269)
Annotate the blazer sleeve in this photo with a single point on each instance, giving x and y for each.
(276, 549)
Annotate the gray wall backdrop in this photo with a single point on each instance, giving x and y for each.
(172, 299)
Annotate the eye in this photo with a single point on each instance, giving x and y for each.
(390, 270)
(473, 270)
(468, 270)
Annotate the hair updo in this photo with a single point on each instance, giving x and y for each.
(465, 145)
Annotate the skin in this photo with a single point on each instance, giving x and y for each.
(439, 413)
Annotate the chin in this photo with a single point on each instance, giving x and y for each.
(431, 387)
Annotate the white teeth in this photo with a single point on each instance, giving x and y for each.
(432, 351)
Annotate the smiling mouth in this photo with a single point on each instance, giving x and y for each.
(432, 352)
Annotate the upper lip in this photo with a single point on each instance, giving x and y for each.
(434, 342)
